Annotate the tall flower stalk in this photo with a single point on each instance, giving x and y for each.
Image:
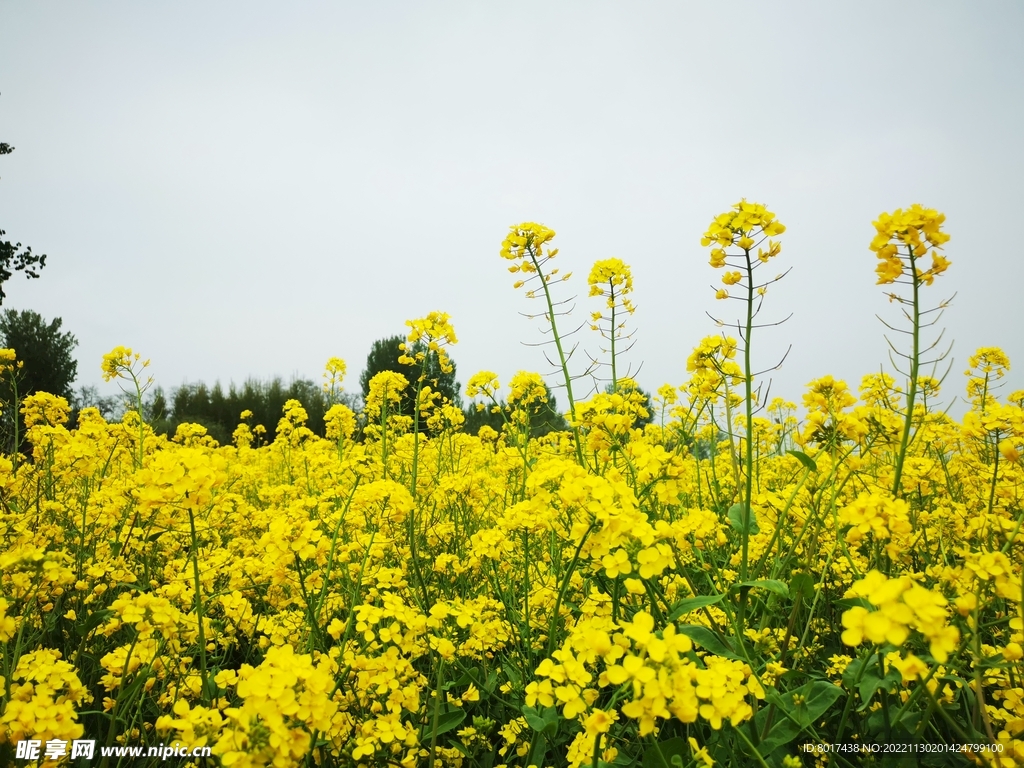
(612, 280)
(903, 239)
(427, 335)
(748, 226)
(122, 363)
(524, 245)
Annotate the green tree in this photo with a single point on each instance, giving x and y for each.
(157, 411)
(46, 365)
(88, 396)
(384, 356)
(220, 411)
(311, 395)
(45, 351)
(544, 417)
(487, 416)
(190, 404)
(12, 258)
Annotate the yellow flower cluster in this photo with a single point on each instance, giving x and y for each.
(434, 332)
(881, 517)
(340, 422)
(827, 420)
(524, 238)
(526, 389)
(746, 226)
(285, 699)
(385, 395)
(713, 367)
(741, 225)
(608, 417)
(334, 375)
(612, 279)
(483, 383)
(919, 231)
(525, 245)
(122, 362)
(654, 669)
(44, 408)
(8, 361)
(42, 695)
(901, 606)
(613, 273)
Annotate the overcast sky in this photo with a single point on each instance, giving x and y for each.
(244, 189)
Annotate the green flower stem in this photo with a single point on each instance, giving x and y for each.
(565, 584)
(437, 713)
(908, 422)
(615, 378)
(751, 747)
(322, 597)
(413, 528)
(16, 447)
(561, 355)
(199, 606)
(748, 382)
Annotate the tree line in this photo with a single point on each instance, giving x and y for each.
(47, 364)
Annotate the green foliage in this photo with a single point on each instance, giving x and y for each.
(156, 408)
(44, 350)
(544, 417)
(45, 364)
(220, 411)
(796, 712)
(88, 396)
(384, 356)
(485, 416)
(12, 258)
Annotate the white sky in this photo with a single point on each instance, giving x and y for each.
(245, 189)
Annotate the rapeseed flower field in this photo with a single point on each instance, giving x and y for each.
(738, 583)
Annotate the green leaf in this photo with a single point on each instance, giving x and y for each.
(533, 718)
(492, 680)
(798, 709)
(802, 583)
(542, 721)
(663, 753)
(736, 520)
(870, 681)
(95, 619)
(540, 751)
(690, 604)
(804, 459)
(852, 672)
(513, 675)
(708, 640)
(622, 760)
(782, 732)
(459, 682)
(814, 700)
(446, 721)
(772, 585)
(212, 691)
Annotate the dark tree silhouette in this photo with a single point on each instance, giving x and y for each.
(12, 258)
